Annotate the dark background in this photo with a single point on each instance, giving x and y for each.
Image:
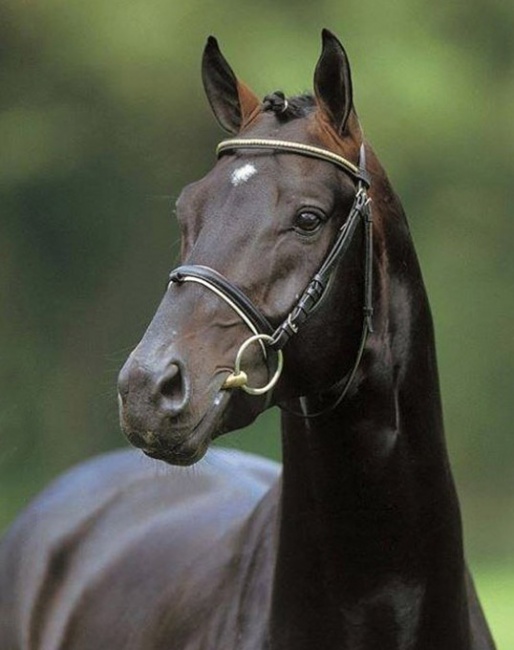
(103, 120)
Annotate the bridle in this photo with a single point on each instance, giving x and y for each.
(262, 330)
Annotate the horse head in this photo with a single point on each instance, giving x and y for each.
(266, 221)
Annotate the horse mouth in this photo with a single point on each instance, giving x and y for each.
(195, 441)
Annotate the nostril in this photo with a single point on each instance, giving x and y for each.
(171, 384)
(172, 387)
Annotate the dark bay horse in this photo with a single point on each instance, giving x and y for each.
(295, 249)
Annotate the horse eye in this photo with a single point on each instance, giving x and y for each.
(308, 222)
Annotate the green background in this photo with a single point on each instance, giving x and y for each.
(103, 120)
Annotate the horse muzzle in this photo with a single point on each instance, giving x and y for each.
(156, 412)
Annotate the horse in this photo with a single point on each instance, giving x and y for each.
(299, 287)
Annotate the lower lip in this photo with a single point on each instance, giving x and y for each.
(177, 456)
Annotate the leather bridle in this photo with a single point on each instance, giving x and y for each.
(263, 331)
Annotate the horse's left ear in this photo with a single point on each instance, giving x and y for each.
(333, 82)
(232, 102)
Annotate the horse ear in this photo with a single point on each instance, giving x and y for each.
(333, 82)
(232, 102)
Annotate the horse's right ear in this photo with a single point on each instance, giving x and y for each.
(231, 101)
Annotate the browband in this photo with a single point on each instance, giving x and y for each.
(357, 172)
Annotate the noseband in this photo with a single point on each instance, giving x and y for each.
(263, 332)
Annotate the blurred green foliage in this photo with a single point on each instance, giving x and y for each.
(103, 120)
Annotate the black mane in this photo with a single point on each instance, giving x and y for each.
(289, 108)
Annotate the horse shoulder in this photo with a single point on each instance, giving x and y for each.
(125, 550)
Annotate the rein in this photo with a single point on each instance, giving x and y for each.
(263, 332)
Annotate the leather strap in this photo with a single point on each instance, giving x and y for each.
(314, 292)
(359, 172)
(181, 273)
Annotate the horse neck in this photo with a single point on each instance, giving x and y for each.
(370, 551)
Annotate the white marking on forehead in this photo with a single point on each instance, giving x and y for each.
(242, 174)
